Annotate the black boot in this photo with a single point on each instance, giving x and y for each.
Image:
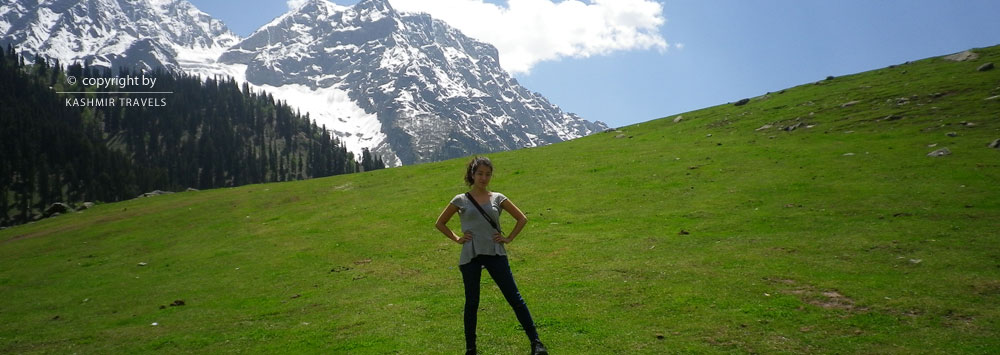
(470, 351)
(537, 348)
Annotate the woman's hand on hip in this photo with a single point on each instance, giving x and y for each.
(499, 238)
(464, 238)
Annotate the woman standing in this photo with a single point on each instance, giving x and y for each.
(483, 247)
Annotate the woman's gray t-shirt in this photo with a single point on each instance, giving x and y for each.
(482, 232)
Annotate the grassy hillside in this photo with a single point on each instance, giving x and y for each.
(703, 235)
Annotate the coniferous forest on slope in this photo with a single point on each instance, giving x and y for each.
(208, 133)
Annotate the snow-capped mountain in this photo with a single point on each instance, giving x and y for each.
(111, 33)
(409, 87)
(423, 91)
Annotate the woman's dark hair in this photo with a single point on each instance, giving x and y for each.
(474, 164)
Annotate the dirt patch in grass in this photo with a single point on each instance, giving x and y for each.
(987, 288)
(952, 318)
(833, 300)
(824, 298)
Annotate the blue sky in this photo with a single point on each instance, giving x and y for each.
(730, 49)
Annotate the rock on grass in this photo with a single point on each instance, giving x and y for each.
(940, 152)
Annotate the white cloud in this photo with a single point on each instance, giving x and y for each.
(294, 4)
(527, 32)
(679, 46)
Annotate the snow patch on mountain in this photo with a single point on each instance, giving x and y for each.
(333, 108)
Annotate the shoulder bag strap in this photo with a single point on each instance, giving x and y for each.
(480, 208)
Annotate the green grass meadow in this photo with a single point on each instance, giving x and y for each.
(707, 235)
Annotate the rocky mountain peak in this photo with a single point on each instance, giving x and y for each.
(374, 6)
(318, 7)
(418, 89)
(111, 33)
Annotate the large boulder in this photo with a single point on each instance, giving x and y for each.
(57, 207)
(155, 193)
(962, 56)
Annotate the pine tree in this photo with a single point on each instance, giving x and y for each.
(366, 160)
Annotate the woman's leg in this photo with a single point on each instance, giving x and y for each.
(499, 270)
(471, 273)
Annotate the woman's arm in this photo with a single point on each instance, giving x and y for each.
(442, 225)
(518, 215)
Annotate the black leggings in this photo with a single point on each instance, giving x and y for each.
(499, 270)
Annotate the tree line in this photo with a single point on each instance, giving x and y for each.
(209, 133)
